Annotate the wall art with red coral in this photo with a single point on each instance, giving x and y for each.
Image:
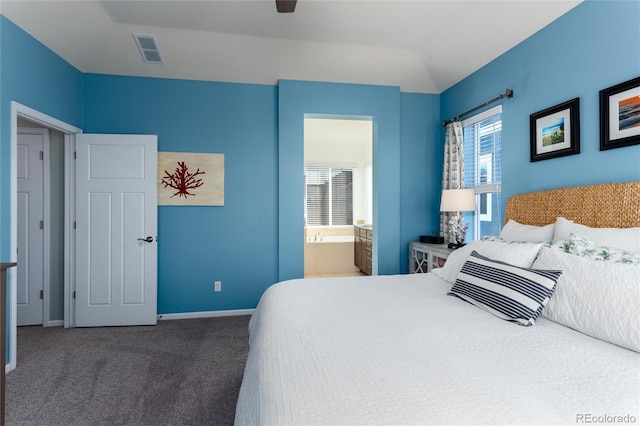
(190, 179)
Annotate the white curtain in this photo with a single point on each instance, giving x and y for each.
(453, 172)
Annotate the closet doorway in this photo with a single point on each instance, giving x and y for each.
(40, 220)
(62, 135)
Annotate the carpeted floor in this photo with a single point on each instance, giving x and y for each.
(179, 372)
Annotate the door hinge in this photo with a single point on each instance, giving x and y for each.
(74, 294)
(75, 155)
(42, 224)
(41, 294)
(42, 155)
(74, 224)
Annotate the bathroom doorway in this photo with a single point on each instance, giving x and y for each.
(338, 197)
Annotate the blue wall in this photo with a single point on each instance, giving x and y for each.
(404, 145)
(236, 243)
(421, 154)
(31, 75)
(594, 46)
(298, 99)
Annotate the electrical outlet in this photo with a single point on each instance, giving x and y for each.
(217, 286)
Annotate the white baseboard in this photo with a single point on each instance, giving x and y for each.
(206, 314)
(7, 368)
(55, 323)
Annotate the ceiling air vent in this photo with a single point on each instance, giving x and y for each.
(149, 49)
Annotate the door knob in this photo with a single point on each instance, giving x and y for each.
(146, 240)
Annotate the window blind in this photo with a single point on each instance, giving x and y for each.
(317, 197)
(483, 151)
(329, 196)
(341, 196)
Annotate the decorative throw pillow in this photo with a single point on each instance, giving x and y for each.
(584, 248)
(600, 299)
(514, 231)
(521, 255)
(621, 238)
(509, 292)
(549, 243)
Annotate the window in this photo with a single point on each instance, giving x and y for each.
(329, 196)
(483, 169)
(484, 199)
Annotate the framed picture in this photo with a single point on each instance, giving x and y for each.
(620, 115)
(555, 131)
(190, 179)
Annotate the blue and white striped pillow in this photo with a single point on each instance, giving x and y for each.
(506, 291)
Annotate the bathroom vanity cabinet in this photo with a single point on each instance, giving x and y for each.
(362, 248)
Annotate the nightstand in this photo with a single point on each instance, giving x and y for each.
(423, 257)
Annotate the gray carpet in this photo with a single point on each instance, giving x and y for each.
(179, 372)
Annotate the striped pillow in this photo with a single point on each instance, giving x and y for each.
(506, 291)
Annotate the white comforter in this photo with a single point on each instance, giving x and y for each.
(398, 350)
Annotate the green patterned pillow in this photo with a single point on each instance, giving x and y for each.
(584, 248)
(559, 244)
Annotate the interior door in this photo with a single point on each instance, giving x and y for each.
(30, 282)
(116, 230)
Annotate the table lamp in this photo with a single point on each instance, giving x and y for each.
(457, 200)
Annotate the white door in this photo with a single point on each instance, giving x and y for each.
(116, 230)
(30, 285)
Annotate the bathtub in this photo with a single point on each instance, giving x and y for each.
(328, 239)
(330, 252)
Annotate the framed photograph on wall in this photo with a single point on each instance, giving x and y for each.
(555, 131)
(620, 115)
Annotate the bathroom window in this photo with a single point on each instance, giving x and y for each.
(328, 196)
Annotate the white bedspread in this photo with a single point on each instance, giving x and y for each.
(398, 350)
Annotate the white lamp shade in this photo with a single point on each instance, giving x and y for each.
(458, 200)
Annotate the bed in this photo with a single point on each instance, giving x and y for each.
(403, 349)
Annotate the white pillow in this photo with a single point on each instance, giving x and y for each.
(516, 254)
(548, 243)
(601, 299)
(514, 231)
(620, 238)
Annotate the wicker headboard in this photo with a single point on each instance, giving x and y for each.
(610, 205)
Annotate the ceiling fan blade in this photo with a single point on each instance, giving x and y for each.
(286, 6)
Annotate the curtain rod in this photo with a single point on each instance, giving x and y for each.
(507, 94)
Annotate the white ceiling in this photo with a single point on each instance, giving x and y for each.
(422, 46)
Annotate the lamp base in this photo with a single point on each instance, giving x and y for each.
(456, 245)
